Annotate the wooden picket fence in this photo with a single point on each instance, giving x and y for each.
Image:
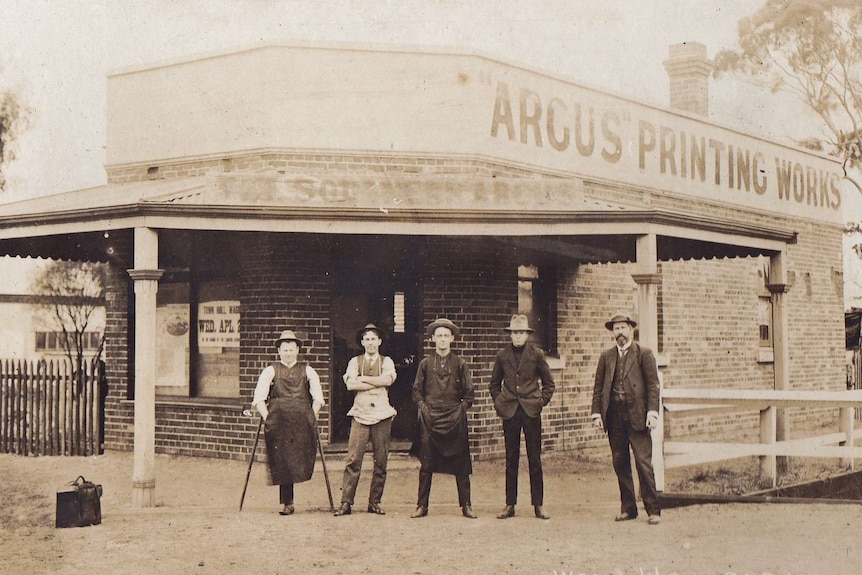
(44, 411)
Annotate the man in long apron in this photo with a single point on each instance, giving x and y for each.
(443, 393)
(288, 397)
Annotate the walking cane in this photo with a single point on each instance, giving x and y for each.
(325, 474)
(251, 461)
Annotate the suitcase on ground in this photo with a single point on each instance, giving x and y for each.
(79, 503)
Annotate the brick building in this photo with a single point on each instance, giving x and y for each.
(320, 187)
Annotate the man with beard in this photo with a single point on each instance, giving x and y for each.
(443, 392)
(288, 397)
(625, 404)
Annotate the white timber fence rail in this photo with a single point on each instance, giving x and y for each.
(44, 410)
(840, 445)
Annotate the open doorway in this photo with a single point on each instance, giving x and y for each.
(375, 280)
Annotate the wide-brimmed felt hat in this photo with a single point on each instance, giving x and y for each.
(620, 317)
(442, 322)
(519, 323)
(288, 335)
(369, 327)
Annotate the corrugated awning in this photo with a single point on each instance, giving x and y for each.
(388, 204)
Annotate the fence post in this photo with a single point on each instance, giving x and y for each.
(4, 401)
(768, 424)
(845, 425)
(658, 442)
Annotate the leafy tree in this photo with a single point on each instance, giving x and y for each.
(13, 120)
(814, 49)
(73, 292)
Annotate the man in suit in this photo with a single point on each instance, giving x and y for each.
(625, 404)
(521, 385)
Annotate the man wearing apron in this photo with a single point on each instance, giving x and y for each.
(370, 376)
(288, 397)
(443, 392)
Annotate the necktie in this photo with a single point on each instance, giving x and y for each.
(618, 370)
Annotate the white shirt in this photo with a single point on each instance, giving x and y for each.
(261, 391)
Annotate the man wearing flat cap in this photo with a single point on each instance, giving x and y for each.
(370, 376)
(288, 397)
(443, 393)
(625, 405)
(521, 385)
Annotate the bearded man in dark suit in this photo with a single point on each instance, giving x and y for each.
(625, 404)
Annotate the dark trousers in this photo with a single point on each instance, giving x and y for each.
(462, 482)
(532, 427)
(285, 493)
(359, 435)
(621, 437)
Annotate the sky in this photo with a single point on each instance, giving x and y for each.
(55, 56)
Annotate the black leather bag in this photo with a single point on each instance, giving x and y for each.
(79, 503)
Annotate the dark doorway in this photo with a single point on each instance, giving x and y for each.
(375, 280)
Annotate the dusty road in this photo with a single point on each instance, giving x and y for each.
(196, 527)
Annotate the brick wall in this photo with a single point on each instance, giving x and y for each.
(708, 319)
(354, 163)
(473, 282)
(119, 425)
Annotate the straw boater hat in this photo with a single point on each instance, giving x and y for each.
(369, 327)
(619, 318)
(288, 335)
(442, 322)
(519, 323)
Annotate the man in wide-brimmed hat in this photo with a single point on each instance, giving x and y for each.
(521, 385)
(288, 397)
(369, 375)
(625, 405)
(443, 393)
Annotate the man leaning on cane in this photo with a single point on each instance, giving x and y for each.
(288, 397)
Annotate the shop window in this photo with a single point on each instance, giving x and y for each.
(197, 352)
(537, 299)
(765, 323)
(172, 339)
(398, 312)
(764, 328)
(217, 362)
(54, 341)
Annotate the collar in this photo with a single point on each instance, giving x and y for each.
(291, 364)
(624, 348)
(371, 358)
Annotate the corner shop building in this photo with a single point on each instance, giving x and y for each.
(321, 187)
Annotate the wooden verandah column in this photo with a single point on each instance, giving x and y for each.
(648, 279)
(146, 276)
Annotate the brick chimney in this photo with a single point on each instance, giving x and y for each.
(688, 70)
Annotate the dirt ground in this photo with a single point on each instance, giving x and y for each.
(196, 527)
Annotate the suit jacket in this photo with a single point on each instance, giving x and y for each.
(640, 381)
(528, 383)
